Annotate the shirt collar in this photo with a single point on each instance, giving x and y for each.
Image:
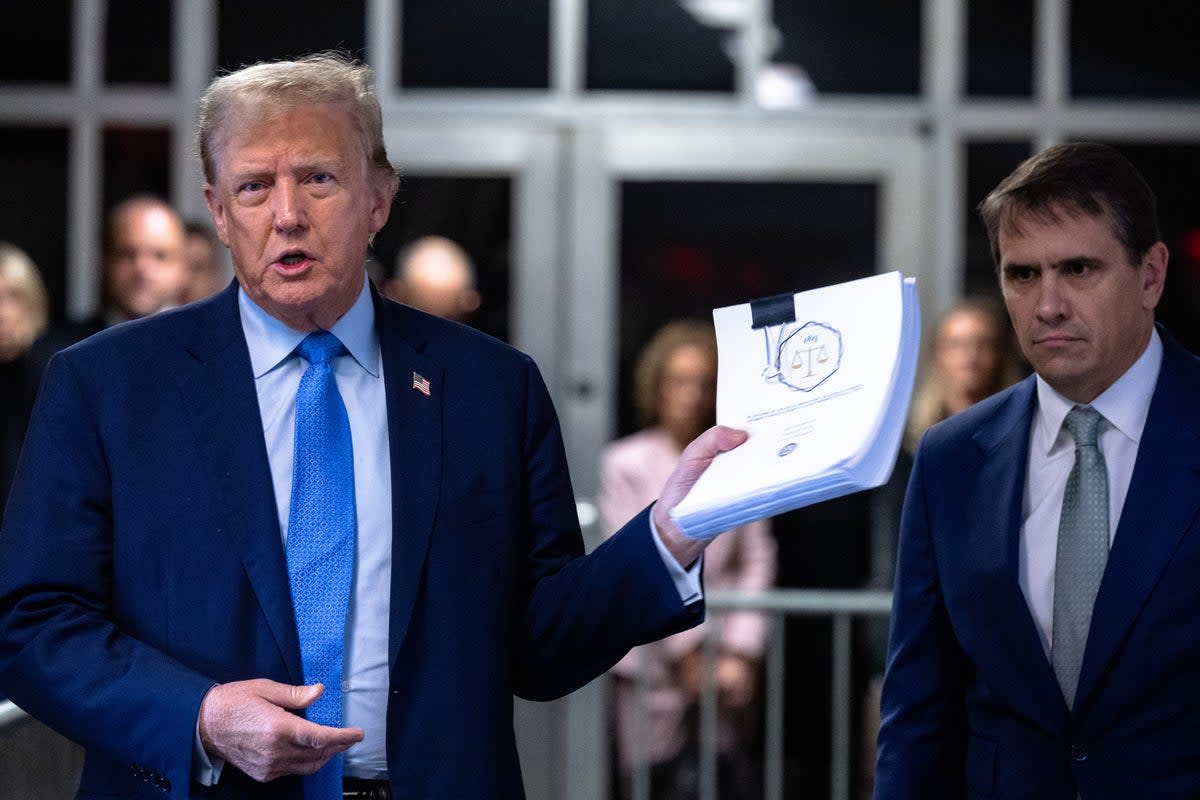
(271, 342)
(1124, 405)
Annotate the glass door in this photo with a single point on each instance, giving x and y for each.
(671, 219)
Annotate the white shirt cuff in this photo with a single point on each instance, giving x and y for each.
(206, 770)
(687, 581)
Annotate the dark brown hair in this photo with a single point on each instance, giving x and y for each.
(1077, 178)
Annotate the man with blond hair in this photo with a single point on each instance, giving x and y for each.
(296, 539)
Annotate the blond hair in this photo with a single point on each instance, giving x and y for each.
(648, 372)
(328, 78)
(929, 405)
(22, 274)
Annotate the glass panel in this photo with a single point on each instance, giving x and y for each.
(33, 202)
(474, 212)
(1000, 47)
(251, 32)
(687, 247)
(690, 246)
(37, 48)
(469, 44)
(988, 163)
(136, 161)
(1170, 169)
(652, 44)
(1120, 52)
(137, 37)
(854, 46)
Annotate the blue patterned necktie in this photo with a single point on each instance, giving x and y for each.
(320, 542)
(1082, 550)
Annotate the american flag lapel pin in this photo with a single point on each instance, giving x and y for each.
(421, 383)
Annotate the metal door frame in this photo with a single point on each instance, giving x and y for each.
(528, 154)
(601, 157)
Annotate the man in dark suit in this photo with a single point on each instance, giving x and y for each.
(299, 530)
(143, 272)
(1045, 639)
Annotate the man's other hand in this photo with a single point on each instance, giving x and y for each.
(250, 725)
(692, 462)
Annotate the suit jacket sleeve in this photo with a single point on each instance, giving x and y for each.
(582, 613)
(922, 738)
(62, 658)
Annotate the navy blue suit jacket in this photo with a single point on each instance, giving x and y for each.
(971, 707)
(141, 560)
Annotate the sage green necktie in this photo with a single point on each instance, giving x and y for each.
(1082, 550)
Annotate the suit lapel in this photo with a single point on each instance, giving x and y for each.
(219, 379)
(415, 442)
(1159, 508)
(1010, 656)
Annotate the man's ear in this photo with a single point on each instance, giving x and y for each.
(1154, 274)
(381, 201)
(216, 210)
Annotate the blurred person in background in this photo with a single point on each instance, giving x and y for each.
(657, 722)
(972, 355)
(145, 271)
(145, 266)
(23, 310)
(435, 275)
(204, 274)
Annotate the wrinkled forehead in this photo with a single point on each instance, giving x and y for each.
(1017, 217)
(253, 112)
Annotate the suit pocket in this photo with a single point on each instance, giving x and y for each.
(981, 767)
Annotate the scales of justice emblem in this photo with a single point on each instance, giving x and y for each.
(804, 356)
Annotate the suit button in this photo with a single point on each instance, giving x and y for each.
(1079, 753)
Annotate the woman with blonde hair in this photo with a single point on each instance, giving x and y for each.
(658, 684)
(23, 316)
(971, 356)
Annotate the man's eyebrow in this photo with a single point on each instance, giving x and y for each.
(1076, 261)
(1013, 266)
(317, 165)
(1065, 263)
(249, 173)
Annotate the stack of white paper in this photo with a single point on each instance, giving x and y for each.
(824, 399)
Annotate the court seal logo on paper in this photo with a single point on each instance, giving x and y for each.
(806, 356)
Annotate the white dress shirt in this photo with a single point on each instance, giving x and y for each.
(1124, 406)
(277, 371)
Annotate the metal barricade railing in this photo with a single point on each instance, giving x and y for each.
(841, 607)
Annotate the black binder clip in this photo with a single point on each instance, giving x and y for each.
(803, 356)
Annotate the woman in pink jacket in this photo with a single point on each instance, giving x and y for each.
(657, 721)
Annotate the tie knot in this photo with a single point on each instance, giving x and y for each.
(1082, 423)
(320, 347)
